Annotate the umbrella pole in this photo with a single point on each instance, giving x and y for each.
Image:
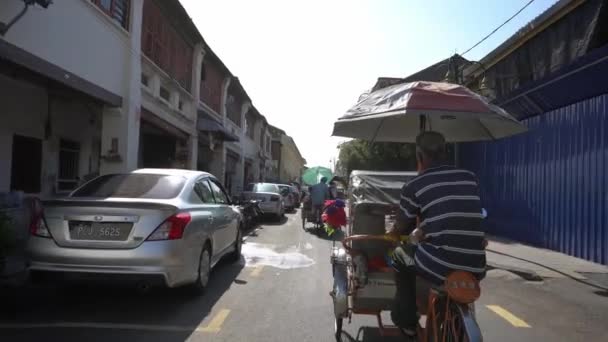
(422, 129)
(422, 123)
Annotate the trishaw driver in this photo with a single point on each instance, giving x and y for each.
(319, 193)
(446, 201)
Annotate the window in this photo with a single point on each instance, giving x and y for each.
(26, 164)
(145, 80)
(233, 107)
(116, 9)
(250, 123)
(165, 94)
(69, 156)
(165, 46)
(262, 138)
(219, 194)
(203, 191)
(266, 187)
(212, 80)
(132, 185)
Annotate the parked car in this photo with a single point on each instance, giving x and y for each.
(289, 196)
(159, 226)
(269, 197)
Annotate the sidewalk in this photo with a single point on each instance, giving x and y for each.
(541, 262)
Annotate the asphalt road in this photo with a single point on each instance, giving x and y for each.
(279, 292)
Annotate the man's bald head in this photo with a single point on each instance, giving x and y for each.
(431, 145)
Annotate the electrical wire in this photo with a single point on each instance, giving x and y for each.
(499, 27)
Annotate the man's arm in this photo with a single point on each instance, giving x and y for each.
(408, 211)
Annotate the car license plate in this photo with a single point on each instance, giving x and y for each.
(106, 231)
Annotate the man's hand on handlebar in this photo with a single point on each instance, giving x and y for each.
(416, 236)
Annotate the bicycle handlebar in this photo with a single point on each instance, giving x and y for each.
(385, 237)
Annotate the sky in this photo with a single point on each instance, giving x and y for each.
(304, 63)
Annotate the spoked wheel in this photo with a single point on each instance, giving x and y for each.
(338, 329)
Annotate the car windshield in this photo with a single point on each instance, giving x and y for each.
(147, 186)
(262, 187)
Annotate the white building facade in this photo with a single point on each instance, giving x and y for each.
(67, 77)
(93, 87)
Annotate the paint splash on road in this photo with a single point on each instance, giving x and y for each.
(258, 254)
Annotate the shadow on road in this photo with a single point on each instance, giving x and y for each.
(321, 234)
(369, 334)
(271, 221)
(86, 304)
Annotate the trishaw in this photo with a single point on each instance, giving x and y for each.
(309, 215)
(363, 280)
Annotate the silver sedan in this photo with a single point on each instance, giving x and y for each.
(162, 225)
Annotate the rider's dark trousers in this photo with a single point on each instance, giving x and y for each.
(404, 313)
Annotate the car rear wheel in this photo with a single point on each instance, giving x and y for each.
(204, 271)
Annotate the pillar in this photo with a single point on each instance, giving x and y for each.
(120, 126)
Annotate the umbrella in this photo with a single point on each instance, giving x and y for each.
(400, 112)
(313, 175)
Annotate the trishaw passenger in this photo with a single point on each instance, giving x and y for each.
(319, 193)
(446, 201)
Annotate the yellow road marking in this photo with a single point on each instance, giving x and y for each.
(256, 271)
(216, 323)
(509, 317)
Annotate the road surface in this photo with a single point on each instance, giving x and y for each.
(279, 292)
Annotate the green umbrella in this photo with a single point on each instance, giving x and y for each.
(313, 175)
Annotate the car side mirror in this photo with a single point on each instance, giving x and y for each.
(284, 192)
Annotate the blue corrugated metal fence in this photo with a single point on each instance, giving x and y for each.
(548, 187)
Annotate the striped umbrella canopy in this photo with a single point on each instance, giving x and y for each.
(400, 112)
(313, 175)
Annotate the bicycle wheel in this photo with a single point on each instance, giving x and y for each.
(458, 326)
(338, 329)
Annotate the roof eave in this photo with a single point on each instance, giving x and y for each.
(529, 31)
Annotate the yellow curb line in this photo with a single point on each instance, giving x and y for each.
(216, 323)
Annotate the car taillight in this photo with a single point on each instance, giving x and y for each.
(172, 229)
(38, 225)
(274, 198)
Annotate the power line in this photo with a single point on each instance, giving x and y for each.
(499, 27)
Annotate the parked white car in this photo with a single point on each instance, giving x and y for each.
(269, 197)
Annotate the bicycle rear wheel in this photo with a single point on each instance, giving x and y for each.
(459, 326)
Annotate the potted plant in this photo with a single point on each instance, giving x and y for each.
(7, 239)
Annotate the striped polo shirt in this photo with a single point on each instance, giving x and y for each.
(447, 201)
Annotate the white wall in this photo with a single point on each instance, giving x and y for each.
(123, 123)
(75, 35)
(291, 161)
(24, 111)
